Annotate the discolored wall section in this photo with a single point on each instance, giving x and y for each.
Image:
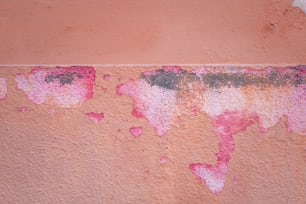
(73, 135)
(153, 134)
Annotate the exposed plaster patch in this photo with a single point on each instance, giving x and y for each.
(299, 3)
(65, 87)
(234, 98)
(3, 88)
(151, 102)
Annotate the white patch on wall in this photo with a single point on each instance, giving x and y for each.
(299, 3)
(3, 88)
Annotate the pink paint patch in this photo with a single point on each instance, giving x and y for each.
(213, 176)
(149, 73)
(151, 102)
(231, 108)
(106, 77)
(97, 117)
(174, 69)
(136, 131)
(225, 126)
(163, 159)
(3, 88)
(64, 87)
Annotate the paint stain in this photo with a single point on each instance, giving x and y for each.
(164, 159)
(225, 126)
(97, 117)
(106, 77)
(233, 97)
(136, 131)
(65, 87)
(150, 102)
(3, 88)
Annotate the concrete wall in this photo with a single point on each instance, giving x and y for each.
(136, 134)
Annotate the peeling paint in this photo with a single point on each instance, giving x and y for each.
(233, 97)
(63, 86)
(3, 88)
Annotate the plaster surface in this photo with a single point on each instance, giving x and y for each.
(98, 152)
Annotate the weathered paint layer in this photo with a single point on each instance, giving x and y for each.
(63, 86)
(233, 97)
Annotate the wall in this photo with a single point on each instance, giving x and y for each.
(142, 32)
(68, 135)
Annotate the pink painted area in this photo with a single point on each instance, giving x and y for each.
(41, 89)
(164, 159)
(225, 126)
(106, 77)
(296, 112)
(71, 158)
(136, 131)
(231, 109)
(174, 69)
(97, 117)
(3, 88)
(149, 73)
(153, 103)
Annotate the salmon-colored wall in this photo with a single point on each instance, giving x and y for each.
(146, 32)
(50, 153)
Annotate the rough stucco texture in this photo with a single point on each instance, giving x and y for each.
(166, 134)
(152, 134)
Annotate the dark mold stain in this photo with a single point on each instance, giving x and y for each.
(162, 78)
(169, 79)
(273, 77)
(237, 80)
(64, 78)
